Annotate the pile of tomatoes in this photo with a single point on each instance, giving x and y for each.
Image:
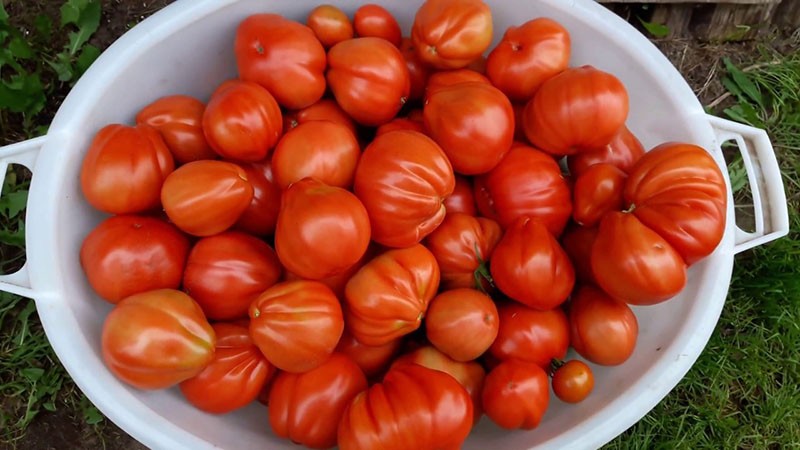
(373, 235)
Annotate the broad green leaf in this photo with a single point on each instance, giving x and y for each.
(44, 26)
(3, 15)
(657, 30)
(13, 203)
(16, 238)
(19, 48)
(92, 416)
(744, 82)
(62, 66)
(87, 23)
(71, 11)
(22, 94)
(86, 58)
(32, 373)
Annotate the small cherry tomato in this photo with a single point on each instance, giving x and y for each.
(330, 24)
(573, 381)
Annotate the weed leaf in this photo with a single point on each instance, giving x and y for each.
(86, 58)
(744, 83)
(657, 30)
(87, 21)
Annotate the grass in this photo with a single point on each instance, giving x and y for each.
(742, 392)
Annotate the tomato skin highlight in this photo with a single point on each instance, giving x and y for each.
(450, 34)
(573, 381)
(602, 330)
(516, 395)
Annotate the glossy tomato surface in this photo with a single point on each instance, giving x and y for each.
(330, 24)
(450, 34)
(530, 335)
(516, 395)
(373, 20)
(462, 312)
(179, 119)
(602, 330)
(597, 191)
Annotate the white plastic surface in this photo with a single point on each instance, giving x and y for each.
(23, 153)
(187, 49)
(764, 177)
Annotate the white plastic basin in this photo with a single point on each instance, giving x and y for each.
(187, 48)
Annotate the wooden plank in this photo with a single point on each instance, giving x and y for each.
(736, 22)
(675, 17)
(732, 2)
(788, 13)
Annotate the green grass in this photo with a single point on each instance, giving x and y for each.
(744, 390)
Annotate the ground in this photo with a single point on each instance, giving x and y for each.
(74, 424)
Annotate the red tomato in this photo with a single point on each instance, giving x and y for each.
(459, 312)
(577, 110)
(179, 119)
(516, 395)
(478, 65)
(325, 109)
(414, 407)
(338, 282)
(573, 381)
(597, 191)
(447, 78)
(403, 178)
(296, 324)
(470, 373)
(322, 230)
(460, 244)
(372, 360)
(156, 339)
(678, 191)
(450, 34)
(126, 255)
(527, 56)
(261, 216)
(456, 117)
(283, 56)
(529, 265)
(602, 330)
(369, 78)
(242, 122)
(373, 20)
(206, 197)
(124, 169)
(526, 182)
(577, 241)
(530, 335)
(326, 151)
(235, 376)
(462, 200)
(418, 71)
(633, 263)
(227, 271)
(307, 407)
(623, 151)
(519, 131)
(388, 297)
(330, 24)
(400, 123)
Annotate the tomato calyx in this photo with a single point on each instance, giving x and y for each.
(555, 364)
(482, 273)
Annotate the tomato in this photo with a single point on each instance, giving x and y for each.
(418, 71)
(460, 244)
(597, 191)
(456, 117)
(369, 78)
(462, 200)
(602, 330)
(633, 263)
(242, 122)
(283, 56)
(388, 297)
(446, 78)
(179, 119)
(330, 24)
(519, 131)
(403, 178)
(156, 339)
(527, 56)
(577, 241)
(527, 182)
(622, 152)
(372, 360)
(573, 381)
(326, 151)
(516, 395)
(469, 373)
(530, 335)
(126, 255)
(373, 20)
(414, 407)
(227, 271)
(307, 407)
(296, 324)
(458, 312)
(678, 191)
(261, 215)
(580, 109)
(529, 265)
(325, 109)
(322, 230)
(338, 282)
(450, 34)
(206, 197)
(235, 376)
(400, 123)
(124, 169)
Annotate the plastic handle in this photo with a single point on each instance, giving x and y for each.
(24, 153)
(766, 184)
